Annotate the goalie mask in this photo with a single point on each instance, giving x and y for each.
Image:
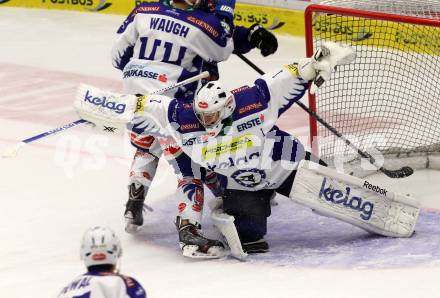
(212, 105)
(100, 246)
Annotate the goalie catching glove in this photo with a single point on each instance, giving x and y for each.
(325, 59)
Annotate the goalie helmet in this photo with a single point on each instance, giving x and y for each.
(213, 104)
(100, 246)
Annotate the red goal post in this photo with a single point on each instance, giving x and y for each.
(388, 100)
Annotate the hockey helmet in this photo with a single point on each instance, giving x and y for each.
(100, 246)
(213, 104)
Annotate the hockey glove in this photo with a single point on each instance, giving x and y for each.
(212, 68)
(323, 62)
(263, 39)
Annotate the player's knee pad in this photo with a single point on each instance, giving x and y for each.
(250, 210)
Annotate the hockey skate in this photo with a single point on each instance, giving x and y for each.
(195, 245)
(134, 208)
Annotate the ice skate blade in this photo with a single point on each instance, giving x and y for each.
(215, 252)
(131, 228)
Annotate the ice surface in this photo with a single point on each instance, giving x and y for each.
(59, 186)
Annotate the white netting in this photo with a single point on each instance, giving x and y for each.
(420, 8)
(388, 99)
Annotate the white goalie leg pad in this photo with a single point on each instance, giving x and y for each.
(356, 201)
(225, 224)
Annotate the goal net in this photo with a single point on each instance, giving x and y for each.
(387, 101)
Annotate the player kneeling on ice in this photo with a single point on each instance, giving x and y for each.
(100, 251)
(234, 134)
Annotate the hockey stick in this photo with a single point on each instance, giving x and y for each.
(13, 151)
(400, 173)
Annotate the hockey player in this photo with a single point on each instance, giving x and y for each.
(234, 134)
(100, 251)
(162, 43)
(225, 131)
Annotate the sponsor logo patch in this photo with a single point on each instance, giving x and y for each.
(142, 9)
(111, 105)
(249, 177)
(227, 9)
(251, 123)
(292, 68)
(140, 72)
(140, 104)
(203, 25)
(375, 188)
(230, 162)
(195, 140)
(343, 198)
(235, 144)
(189, 126)
(250, 107)
(239, 89)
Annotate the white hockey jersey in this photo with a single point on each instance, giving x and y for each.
(158, 45)
(250, 151)
(103, 285)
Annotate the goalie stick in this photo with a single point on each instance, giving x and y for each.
(13, 151)
(399, 173)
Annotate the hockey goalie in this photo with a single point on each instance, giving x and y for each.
(233, 133)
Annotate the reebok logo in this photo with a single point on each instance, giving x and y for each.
(375, 188)
(111, 105)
